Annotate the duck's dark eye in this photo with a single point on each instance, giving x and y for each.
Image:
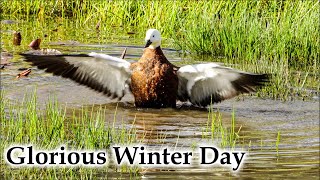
(153, 36)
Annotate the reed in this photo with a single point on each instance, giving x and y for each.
(25, 123)
(276, 37)
(249, 30)
(217, 132)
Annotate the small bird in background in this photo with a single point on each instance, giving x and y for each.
(24, 73)
(16, 38)
(153, 80)
(35, 44)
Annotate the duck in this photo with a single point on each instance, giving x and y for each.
(153, 80)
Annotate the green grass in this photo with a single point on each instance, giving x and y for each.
(49, 126)
(215, 130)
(25, 123)
(276, 37)
(249, 30)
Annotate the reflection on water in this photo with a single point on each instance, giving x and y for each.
(299, 145)
(260, 121)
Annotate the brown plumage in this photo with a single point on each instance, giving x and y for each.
(154, 83)
(153, 80)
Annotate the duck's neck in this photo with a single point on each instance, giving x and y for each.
(154, 54)
(154, 51)
(155, 45)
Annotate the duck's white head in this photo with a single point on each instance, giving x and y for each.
(153, 39)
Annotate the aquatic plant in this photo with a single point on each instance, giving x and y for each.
(276, 37)
(52, 125)
(219, 133)
(248, 30)
(25, 123)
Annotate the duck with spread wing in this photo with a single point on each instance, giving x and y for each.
(153, 80)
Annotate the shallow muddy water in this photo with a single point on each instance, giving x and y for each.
(260, 119)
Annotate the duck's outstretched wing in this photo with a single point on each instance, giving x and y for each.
(103, 73)
(203, 84)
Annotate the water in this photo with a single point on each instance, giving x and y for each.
(260, 119)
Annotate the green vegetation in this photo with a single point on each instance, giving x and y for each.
(250, 30)
(270, 36)
(217, 132)
(25, 123)
(276, 37)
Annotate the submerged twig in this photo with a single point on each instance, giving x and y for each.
(123, 53)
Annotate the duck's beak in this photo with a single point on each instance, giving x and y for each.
(148, 43)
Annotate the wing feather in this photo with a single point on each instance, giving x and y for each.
(102, 73)
(203, 84)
